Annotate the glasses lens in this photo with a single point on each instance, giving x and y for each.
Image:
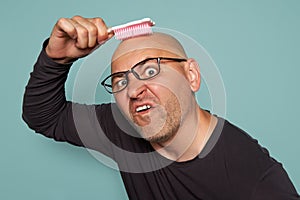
(116, 82)
(142, 71)
(147, 69)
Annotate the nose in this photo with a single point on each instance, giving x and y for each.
(136, 88)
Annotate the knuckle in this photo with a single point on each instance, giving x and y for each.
(82, 31)
(99, 20)
(76, 17)
(61, 21)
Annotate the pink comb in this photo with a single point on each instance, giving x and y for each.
(133, 29)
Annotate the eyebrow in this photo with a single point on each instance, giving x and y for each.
(140, 62)
(119, 73)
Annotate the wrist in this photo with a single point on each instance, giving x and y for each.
(59, 60)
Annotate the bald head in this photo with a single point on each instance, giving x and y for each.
(156, 40)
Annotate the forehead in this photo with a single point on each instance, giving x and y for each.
(126, 61)
(136, 49)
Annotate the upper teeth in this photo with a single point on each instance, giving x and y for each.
(140, 108)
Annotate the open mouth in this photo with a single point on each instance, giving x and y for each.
(142, 108)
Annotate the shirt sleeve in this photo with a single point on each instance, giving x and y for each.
(275, 185)
(46, 110)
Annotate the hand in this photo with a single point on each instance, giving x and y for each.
(76, 37)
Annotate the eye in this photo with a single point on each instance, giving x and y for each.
(120, 83)
(150, 71)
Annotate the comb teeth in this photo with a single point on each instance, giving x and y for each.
(133, 29)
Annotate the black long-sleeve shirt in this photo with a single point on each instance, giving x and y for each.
(231, 166)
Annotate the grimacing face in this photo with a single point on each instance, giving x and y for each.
(164, 100)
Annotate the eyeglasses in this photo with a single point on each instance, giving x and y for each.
(143, 70)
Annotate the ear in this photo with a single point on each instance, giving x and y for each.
(192, 72)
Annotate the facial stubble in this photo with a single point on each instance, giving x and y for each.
(165, 125)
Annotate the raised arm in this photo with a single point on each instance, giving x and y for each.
(45, 108)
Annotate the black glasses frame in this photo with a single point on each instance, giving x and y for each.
(131, 70)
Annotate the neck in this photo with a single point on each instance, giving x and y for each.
(191, 137)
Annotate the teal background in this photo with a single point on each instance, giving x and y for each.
(255, 44)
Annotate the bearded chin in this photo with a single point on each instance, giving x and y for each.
(163, 136)
(161, 124)
(159, 130)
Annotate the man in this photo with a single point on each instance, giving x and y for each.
(165, 145)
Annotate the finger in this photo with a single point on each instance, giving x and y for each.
(91, 29)
(82, 34)
(103, 34)
(64, 27)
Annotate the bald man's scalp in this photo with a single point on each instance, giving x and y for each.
(156, 40)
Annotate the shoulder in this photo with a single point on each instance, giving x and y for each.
(246, 160)
(242, 146)
(110, 116)
(118, 129)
